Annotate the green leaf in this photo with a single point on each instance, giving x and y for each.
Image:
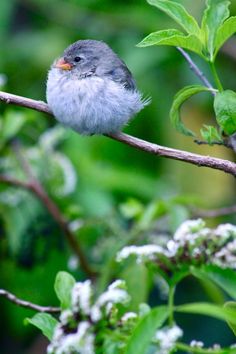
(225, 110)
(145, 330)
(153, 211)
(224, 32)
(210, 134)
(178, 13)
(13, 122)
(137, 282)
(179, 99)
(45, 322)
(172, 37)
(132, 208)
(64, 283)
(204, 308)
(216, 12)
(223, 277)
(232, 306)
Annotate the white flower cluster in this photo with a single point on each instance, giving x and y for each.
(166, 338)
(81, 340)
(193, 243)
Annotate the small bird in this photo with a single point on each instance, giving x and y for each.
(91, 90)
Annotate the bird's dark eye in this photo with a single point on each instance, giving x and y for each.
(77, 59)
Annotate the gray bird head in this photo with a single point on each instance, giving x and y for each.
(94, 58)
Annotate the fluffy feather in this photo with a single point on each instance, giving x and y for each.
(92, 98)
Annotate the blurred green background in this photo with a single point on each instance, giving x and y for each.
(101, 185)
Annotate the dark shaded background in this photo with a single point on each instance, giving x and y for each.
(32, 34)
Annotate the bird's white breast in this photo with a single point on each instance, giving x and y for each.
(91, 105)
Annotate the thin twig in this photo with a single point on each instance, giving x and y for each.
(214, 213)
(195, 159)
(196, 70)
(36, 188)
(223, 143)
(28, 304)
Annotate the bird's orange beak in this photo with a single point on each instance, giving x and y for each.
(62, 64)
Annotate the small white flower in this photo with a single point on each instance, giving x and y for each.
(197, 344)
(172, 247)
(187, 229)
(66, 316)
(128, 315)
(117, 284)
(147, 251)
(80, 342)
(81, 297)
(167, 337)
(226, 230)
(116, 294)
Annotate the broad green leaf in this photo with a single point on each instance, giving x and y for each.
(210, 134)
(224, 278)
(137, 282)
(232, 306)
(45, 322)
(179, 99)
(213, 292)
(13, 122)
(225, 31)
(225, 110)
(64, 283)
(145, 330)
(173, 37)
(204, 308)
(178, 13)
(215, 14)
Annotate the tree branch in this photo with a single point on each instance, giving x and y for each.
(214, 213)
(195, 159)
(36, 188)
(28, 304)
(196, 70)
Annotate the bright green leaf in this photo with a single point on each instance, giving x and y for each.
(64, 283)
(179, 99)
(132, 208)
(178, 13)
(223, 277)
(173, 37)
(45, 322)
(145, 330)
(204, 308)
(225, 110)
(210, 134)
(225, 31)
(216, 12)
(232, 306)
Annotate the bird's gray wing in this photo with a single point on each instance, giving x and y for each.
(122, 75)
(115, 69)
